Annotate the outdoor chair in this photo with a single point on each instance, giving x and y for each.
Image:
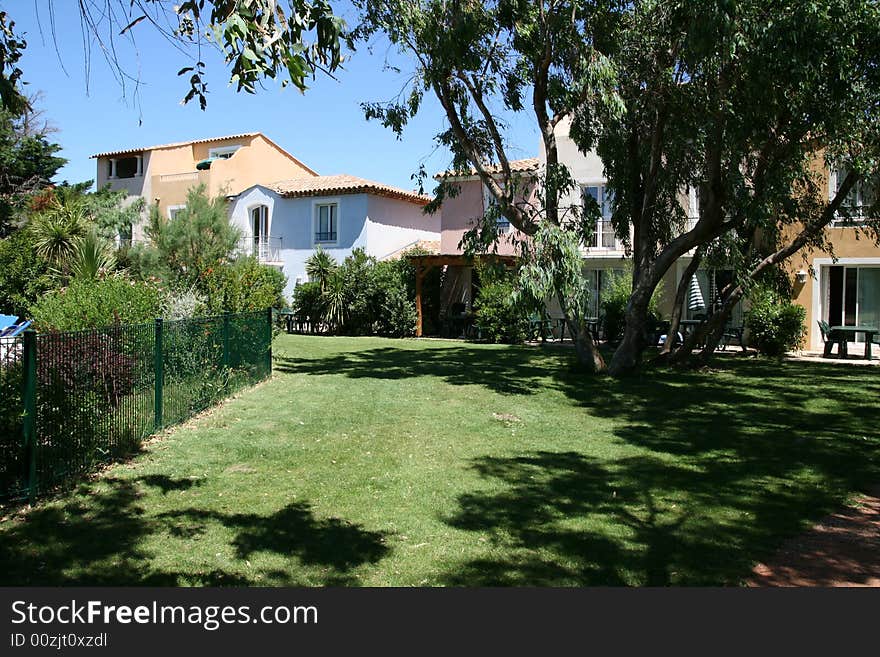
(731, 334)
(830, 338)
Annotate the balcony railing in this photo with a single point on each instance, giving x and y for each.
(604, 237)
(264, 249)
(325, 237)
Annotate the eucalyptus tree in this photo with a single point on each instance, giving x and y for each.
(748, 102)
(483, 61)
(259, 40)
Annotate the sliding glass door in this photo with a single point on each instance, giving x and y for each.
(852, 296)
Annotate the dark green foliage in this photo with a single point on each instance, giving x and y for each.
(359, 297)
(775, 324)
(308, 303)
(183, 249)
(245, 285)
(502, 315)
(27, 164)
(24, 276)
(615, 296)
(96, 303)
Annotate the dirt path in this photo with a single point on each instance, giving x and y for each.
(842, 550)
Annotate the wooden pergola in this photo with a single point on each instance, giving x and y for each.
(424, 263)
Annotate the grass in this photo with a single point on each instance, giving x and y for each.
(377, 462)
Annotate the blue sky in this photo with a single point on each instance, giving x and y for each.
(324, 127)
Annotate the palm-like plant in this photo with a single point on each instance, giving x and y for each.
(57, 231)
(335, 302)
(320, 268)
(92, 256)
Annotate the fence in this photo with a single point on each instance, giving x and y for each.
(69, 401)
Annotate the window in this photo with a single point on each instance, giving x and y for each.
(222, 152)
(174, 210)
(326, 222)
(603, 236)
(502, 224)
(860, 199)
(852, 296)
(260, 223)
(125, 167)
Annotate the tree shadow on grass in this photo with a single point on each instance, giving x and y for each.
(723, 463)
(510, 370)
(563, 519)
(96, 538)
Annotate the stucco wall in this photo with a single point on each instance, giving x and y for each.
(393, 224)
(460, 214)
(257, 161)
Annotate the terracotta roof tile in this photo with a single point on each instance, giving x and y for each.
(175, 144)
(343, 184)
(516, 166)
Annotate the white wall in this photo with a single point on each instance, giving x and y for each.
(377, 224)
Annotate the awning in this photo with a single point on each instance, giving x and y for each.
(695, 296)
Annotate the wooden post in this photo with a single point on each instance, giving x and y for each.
(419, 275)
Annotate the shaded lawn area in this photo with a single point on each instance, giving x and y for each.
(381, 462)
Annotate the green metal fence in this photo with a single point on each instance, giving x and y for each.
(69, 401)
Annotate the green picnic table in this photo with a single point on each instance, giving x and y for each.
(841, 335)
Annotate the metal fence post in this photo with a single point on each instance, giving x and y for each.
(29, 420)
(269, 317)
(159, 367)
(225, 340)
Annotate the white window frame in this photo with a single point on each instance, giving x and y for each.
(316, 204)
(267, 222)
(604, 217)
(218, 152)
(858, 217)
(172, 209)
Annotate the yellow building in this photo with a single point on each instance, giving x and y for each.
(228, 165)
(841, 285)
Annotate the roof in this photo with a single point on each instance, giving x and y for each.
(516, 166)
(178, 144)
(343, 184)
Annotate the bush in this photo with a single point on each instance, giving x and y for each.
(86, 304)
(243, 286)
(396, 311)
(775, 324)
(500, 316)
(25, 276)
(615, 296)
(308, 303)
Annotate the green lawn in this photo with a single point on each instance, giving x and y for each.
(380, 462)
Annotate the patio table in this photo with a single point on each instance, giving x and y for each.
(846, 331)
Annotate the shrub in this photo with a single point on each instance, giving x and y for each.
(500, 315)
(182, 249)
(775, 324)
(396, 311)
(615, 296)
(95, 303)
(25, 276)
(243, 286)
(308, 303)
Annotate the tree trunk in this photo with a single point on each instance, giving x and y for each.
(628, 354)
(586, 350)
(680, 293)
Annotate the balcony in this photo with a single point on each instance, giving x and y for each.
(265, 249)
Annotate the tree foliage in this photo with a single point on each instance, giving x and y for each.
(182, 250)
